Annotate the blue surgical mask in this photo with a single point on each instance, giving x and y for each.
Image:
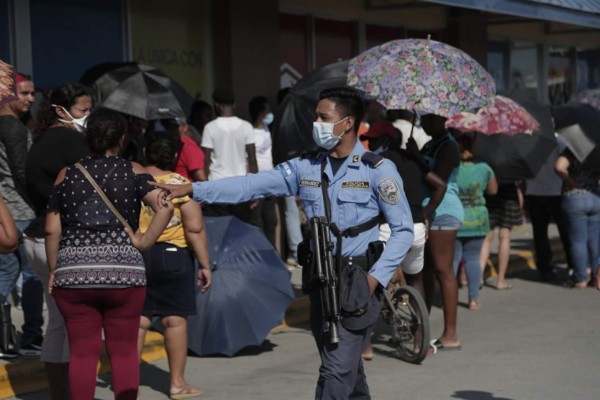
(323, 134)
(268, 120)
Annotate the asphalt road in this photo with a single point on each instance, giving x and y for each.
(537, 341)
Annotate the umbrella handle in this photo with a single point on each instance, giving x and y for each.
(414, 121)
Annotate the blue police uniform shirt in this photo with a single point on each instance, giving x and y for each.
(358, 192)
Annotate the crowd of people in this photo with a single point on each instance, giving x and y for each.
(100, 216)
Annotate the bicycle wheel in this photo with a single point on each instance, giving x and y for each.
(409, 324)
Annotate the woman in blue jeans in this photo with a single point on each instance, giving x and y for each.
(581, 205)
(474, 180)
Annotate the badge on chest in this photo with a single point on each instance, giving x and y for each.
(356, 185)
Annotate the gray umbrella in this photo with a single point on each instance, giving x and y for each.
(577, 125)
(142, 91)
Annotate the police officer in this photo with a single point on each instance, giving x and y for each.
(360, 186)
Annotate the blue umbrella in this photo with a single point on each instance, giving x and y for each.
(250, 290)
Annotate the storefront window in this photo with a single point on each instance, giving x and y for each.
(588, 70)
(524, 73)
(497, 58)
(172, 39)
(560, 82)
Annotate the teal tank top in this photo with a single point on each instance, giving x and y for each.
(451, 204)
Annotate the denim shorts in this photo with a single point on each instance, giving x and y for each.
(445, 223)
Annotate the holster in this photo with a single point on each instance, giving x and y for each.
(374, 251)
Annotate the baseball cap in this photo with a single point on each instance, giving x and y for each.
(378, 129)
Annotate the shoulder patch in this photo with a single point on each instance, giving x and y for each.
(389, 191)
(371, 158)
(286, 168)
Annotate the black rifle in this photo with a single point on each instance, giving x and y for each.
(326, 275)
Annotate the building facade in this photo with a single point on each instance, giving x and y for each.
(545, 49)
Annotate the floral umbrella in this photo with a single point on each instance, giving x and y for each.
(7, 83)
(422, 75)
(504, 116)
(590, 96)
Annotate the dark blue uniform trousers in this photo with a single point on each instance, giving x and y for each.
(341, 375)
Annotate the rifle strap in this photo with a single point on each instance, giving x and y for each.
(327, 203)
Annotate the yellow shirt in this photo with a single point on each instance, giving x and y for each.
(173, 233)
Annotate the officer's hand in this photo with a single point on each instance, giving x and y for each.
(174, 191)
(373, 283)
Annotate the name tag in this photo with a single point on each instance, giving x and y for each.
(355, 185)
(306, 182)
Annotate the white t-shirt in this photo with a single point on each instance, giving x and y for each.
(264, 145)
(227, 137)
(418, 133)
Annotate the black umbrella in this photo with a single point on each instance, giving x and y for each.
(579, 127)
(294, 119)
(142, 91)
(520, 156)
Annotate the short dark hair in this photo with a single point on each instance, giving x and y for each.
(161, 150)
(256, 106)
(223, 96)
(105, 128)
(348, 101)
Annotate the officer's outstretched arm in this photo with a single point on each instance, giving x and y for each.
(280, 181)
(392, 202)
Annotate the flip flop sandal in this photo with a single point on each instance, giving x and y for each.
(186, 392)
(437, 345)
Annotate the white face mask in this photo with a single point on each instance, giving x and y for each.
(323, 134)
(79, 123)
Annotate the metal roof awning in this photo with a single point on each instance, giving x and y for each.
(574, 12)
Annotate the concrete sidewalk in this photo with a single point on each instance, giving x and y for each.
(27, 374)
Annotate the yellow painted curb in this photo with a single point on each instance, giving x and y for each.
(29, 375)
(298, 311)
